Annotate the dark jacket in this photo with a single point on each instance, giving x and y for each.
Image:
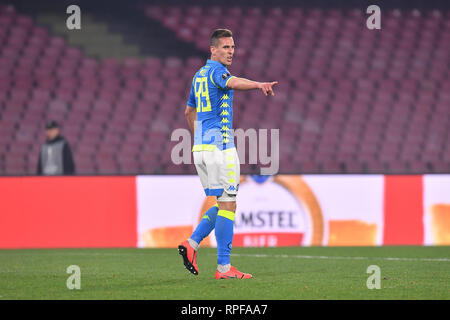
(55, 158)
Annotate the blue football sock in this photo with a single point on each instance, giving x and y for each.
(224, 236)
(206, 225)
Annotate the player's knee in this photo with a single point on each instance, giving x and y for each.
(227, 205)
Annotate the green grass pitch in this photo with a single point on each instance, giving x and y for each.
(292, 273)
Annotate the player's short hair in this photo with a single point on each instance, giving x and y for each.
(217, 34)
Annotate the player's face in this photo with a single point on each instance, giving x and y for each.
(224, 51)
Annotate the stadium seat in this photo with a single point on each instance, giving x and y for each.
(349, 100)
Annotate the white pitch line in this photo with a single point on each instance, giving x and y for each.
(244, 255)
(337, 257)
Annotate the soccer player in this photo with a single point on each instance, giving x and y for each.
(209, 113)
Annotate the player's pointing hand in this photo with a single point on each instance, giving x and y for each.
(267, 89)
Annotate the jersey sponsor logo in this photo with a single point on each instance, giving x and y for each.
(225, 75)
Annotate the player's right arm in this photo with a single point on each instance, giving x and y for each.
(221, 78)
(246, 84)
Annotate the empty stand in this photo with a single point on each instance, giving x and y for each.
(349, 100)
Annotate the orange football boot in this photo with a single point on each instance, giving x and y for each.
(233, 273)
(189, 257)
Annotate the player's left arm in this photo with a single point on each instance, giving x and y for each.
(191, 111)
(191, 117)
(246, 84)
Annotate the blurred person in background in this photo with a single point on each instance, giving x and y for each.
(55, 156)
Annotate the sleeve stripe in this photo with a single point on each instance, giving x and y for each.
(226, 83)
(211, 78)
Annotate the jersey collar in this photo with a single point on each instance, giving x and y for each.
(209, 61)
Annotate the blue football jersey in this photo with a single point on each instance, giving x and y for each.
(214, 103)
